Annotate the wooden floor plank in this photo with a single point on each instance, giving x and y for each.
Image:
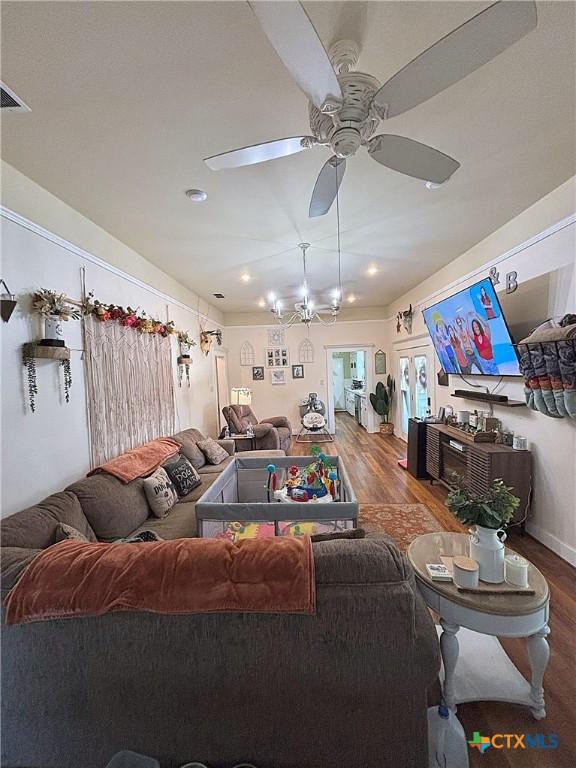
(371, 461)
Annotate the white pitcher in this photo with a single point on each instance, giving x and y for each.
(487, 548)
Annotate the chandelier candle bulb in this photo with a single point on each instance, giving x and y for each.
(516, 570)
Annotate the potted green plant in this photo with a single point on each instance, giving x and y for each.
(381, 401)
(489, 513)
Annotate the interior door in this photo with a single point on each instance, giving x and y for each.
(338, 383)
(416, 369)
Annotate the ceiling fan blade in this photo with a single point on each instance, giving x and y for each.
(412, 158)
(456, 55)
(259, 153)
(327, 185)
(296, 42)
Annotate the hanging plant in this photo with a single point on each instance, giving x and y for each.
(67, 378)
(29, 361)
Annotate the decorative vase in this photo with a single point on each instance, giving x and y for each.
(487, 548)
(184, 350)
(386, 428)
(53, 331)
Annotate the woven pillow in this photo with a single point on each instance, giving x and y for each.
(64, 531)
(214, 453)
(183, 475)
(160, 492)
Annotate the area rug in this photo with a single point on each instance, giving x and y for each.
(402, 522)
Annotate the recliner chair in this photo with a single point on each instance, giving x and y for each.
(270, 434)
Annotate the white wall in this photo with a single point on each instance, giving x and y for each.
(517, 246)
(42, 452)
(282, 400)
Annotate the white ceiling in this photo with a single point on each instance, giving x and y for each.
(127, 98)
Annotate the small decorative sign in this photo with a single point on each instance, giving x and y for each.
(380, 362)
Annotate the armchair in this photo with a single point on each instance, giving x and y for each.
(269, 434)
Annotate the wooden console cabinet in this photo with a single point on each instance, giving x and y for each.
(477, 464)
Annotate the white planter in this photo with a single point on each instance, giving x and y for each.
(53, 328)
(184, 350)
(487, 548)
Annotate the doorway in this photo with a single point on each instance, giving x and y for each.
(222, 391)
(349, 378)
(415, 385)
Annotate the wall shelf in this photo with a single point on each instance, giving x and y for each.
(50, 353)
(501, 404)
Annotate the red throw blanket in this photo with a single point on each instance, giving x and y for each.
(74, 578)
(140, 461)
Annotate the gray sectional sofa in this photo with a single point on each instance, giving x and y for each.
(345, 687)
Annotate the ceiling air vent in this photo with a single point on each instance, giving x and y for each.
(10, 102)
(218, 295)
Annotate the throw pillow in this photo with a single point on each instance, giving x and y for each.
(183, 475)
(64, 531)
(138, 538)
(214, 453)
(188, 446)
(160, 492)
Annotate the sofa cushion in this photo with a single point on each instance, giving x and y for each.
(183, 475)
(160, 492)
(179, 524)
(360, 561)
(113, 508)
(35, 526)
(188, 440)
(13, 561)
(214, 453)
(215, 469)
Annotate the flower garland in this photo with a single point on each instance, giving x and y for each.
(128, 317)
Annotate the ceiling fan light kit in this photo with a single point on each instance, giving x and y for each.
(346, 106)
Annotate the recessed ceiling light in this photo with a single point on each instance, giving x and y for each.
(261, 303)
(432, 185)
(372, 270)
(351, 299)
(245, 277)
(196, 195)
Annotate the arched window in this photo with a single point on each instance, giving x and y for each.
(247, 354)
(306, 352)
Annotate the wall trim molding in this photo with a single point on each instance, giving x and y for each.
(315, 325)
(563, 550)
(548, 232)
(22, 221)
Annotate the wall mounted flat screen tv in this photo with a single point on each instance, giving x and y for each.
(470, 334)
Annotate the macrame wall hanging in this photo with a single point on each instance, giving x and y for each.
(130, 391)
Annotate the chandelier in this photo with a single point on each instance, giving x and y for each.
(305, 310)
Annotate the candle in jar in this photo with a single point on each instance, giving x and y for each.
(516, 570)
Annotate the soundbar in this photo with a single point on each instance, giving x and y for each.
(486, 397)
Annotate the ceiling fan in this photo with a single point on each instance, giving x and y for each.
(346, 106)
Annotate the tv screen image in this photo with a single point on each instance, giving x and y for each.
(470, 334)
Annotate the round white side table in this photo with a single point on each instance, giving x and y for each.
(496, 615)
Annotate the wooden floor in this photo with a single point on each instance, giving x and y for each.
(371, 461)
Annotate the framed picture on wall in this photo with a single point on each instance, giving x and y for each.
(278, 376)
(277, 357)
(258, 373)
(297, 371)
(380, 362)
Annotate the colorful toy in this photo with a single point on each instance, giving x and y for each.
(317, 481)
(272, 480)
